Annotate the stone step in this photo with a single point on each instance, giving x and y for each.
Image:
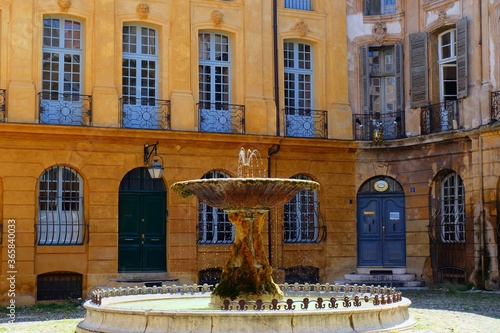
(142, 279)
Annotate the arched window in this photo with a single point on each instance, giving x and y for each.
(214, 226)
(300, 216)
(448, 218)
(60, 207)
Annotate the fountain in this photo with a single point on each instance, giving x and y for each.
(246, 283)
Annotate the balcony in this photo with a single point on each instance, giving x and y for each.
(304, 123)
(145, 113)
(298, 4)
(2, 105)
(221, 118)
(368, 127)
(441, 117)
(495, 105)
(65, 109)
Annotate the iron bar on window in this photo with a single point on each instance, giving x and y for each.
(305, 123)
(298, 4)
(146, 113)
(495, 105)
(441, 117)
(2, 105)
(221, 118)
(391, 123)
(66, 232)
(65, 109)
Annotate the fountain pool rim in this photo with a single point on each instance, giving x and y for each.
(113, 316)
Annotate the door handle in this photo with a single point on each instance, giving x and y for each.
(155, 239)
(383, 230)
(129, 239)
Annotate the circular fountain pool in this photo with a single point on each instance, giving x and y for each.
(176, 309)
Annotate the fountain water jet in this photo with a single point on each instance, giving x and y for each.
(247, 277)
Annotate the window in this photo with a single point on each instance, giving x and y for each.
(380, 7)
(139, 77)
(60, 207)
(214, 82)
(382, 89)
(61, 100)
(300, 216)
(213, 225)
(298, 89)
(450, 209)
(449, 57)
(298, 4)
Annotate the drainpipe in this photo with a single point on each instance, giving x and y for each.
(273, 150)
(276, 71)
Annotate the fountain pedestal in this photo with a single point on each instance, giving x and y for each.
(247, 274)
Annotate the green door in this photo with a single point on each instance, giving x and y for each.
(141, 229)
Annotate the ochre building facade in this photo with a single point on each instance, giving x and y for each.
(389, 105)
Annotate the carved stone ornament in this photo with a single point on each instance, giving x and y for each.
(442, 16)
(379, 31)
(302, 28)
(64, 5)
(142, 10)
(217, 18)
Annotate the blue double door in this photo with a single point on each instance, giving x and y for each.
(381, 229)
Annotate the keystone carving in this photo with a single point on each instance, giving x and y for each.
(302, 28)
(379, 31)
(217, 18)
(142, 10)
(64, 5)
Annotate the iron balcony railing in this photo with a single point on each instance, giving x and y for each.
(495, 105)
(441, 117)
(2, 105)
(65, 109)
(221, 118)
(145, 113)
(305, 123)
(390, 125)
(298, 4)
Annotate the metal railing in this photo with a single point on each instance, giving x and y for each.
(145, 113)
(65, 109)
(221, 118)
(391, 124)
(495, 105)
(61, 233)
(441, 117)
(3, 93)
(305, 123)
(298, 4)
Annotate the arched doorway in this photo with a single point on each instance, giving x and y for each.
(381, 223)
(142, 223)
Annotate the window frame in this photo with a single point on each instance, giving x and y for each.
(452, 207)
(380, 7)
(53, 210)
(296, 70)
(209, 220)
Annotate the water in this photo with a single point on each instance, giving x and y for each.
(250, 164)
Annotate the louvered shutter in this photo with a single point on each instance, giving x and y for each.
(365, 80)
(419, 82)
(399, 77)
(462, 58)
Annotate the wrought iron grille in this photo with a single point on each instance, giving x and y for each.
(391, 123)
(298, 4)
(146, 113)
(306, 226)
(2, 105)
(305, 123)
(62, 232)
(65, 109)
(302, 274)
(221, 118)
(447, 223)
(495, 105)
(59, 286)
(441, 117)
(210, 276)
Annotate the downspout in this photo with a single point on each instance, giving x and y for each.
(273, 150)
(275, 63)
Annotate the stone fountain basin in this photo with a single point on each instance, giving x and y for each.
(126, 314)
(238, 193)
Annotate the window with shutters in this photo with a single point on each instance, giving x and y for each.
(382, 89)
(446, 53)
(380, 7)
(214, 226)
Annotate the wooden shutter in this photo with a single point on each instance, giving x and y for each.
(365, 80)
(419, 81)
(398, 48)
(462, 58)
